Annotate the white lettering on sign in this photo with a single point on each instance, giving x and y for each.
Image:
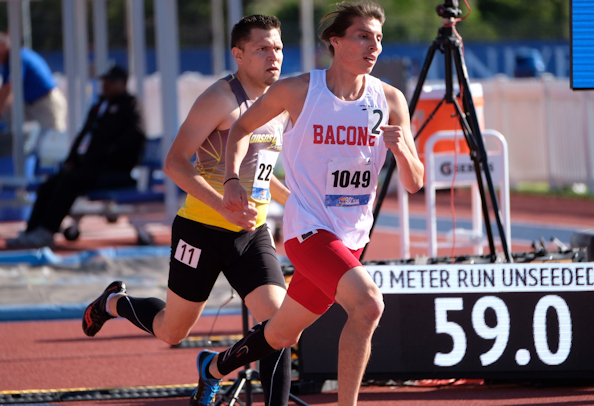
(479, 278)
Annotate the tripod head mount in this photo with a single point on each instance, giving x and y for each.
(449, 9)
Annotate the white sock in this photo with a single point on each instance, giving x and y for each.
(107, 304)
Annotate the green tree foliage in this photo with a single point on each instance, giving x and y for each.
(410, 21)
(513, 19)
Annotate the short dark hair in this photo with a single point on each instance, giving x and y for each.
(242, 30)
(342, 18)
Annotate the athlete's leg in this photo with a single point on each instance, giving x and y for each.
(263, 290)
(264, 301)
(275, 369)
(171, 323)
(283, 330)
(363, 303)
(193, 270)
(337, 272)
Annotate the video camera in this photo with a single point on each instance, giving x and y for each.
(449, 9)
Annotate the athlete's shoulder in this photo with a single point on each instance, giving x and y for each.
(215, 108)
(290, 88)
(219, 94)
(293, 82)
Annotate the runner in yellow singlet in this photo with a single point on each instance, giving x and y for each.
(206, 238)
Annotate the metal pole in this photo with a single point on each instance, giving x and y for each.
(168, 64)
(82, 60)
(27, 41)
(137, 45)
(17, 110)
(100, 36)
(70, 65)
(218, 37)
(234, 14)
(308, 51)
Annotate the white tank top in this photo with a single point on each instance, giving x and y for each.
(332, 157)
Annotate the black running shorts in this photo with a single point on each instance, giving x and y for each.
(200, 252)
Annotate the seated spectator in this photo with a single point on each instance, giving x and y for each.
(109, 145)
(44, 102)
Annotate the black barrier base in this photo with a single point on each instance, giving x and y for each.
(308, 387)
(584, 239)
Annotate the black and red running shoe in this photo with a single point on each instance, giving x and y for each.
(95, 314)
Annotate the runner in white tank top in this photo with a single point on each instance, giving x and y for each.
(333, 161)
(343, 122)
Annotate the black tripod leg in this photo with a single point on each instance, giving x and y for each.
(297, 400)
(390, 158)
(423, 76)
(232, 394)
(470, 139)
(237, 391)
(482, 152)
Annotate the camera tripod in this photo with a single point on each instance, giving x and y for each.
(245, 377)
(449, 43)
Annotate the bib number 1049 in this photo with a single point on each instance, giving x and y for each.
(500, 331)
(345, 179)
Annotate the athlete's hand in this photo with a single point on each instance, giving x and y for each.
(235, 197)
(394, 138)
(245, 218)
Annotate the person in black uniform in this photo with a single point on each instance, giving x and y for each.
(109, 145)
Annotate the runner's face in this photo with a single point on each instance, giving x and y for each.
(262, 55)
(361, 45)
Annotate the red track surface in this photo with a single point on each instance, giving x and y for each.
(56, 354)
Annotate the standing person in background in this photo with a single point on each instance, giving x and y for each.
(343, 123)
(206, 238)
(44, 102)
(103, 154)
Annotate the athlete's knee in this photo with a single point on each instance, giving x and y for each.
(369, 309)
(172, 337)
(278, 339)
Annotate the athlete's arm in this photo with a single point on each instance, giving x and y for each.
(279, 191)
(215, 109)
(398, 137)
(267, 107)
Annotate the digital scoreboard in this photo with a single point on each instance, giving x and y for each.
(508, 321)
(582, 45)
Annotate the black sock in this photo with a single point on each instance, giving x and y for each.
(140, 311)
(275, 375)
(250, 348)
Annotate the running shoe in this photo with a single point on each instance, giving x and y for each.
(204, 394)
(38, 238)
(95, 314)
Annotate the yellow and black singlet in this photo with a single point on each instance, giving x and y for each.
(254, 173)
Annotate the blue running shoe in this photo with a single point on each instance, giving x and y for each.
(204, 394)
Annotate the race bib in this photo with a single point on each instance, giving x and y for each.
(264, 168)
(187, 254)
(376, 118)
(349, 182)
